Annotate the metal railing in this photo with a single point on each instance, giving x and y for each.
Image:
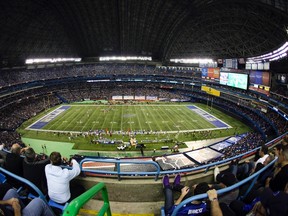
(26, 182)
(119, 173)
(117, 170)
(74, 206)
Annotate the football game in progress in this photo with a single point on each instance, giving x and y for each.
(116, 127)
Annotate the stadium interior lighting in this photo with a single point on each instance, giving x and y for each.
(125, 58)
(279, 53)
(193, 61)
(51, 60)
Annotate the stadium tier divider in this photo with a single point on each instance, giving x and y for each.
(253, 178)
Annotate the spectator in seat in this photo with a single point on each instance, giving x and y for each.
(265, 203)
(34, 169)
(263, 154)
(58, 179)
(12, 205)
(248, 167)
(197, 207)
(280, 178)
(14, 163)
(226, 179)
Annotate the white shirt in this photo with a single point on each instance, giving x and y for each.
(261, 160)
(58, 180)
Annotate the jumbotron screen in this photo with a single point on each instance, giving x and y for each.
(236, 80)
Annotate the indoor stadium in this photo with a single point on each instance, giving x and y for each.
(144, 108)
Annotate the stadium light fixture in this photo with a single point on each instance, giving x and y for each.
(279, 53)
(125, 58)
(193, 61)
(51, 60)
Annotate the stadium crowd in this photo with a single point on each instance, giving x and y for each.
(18, 106)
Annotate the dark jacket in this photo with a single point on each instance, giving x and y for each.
(35, 172)
(13, 163)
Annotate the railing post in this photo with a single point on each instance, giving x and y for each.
(117, 164)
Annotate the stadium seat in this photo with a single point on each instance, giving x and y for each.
(53, 204)
(2, 178)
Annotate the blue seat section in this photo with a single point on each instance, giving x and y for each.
(3, 178)
(51, 203)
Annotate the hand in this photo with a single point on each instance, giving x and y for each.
(185, 190)
(65, 159)
(212, 194)
(258, 209)
(16, 205)
(11, 201)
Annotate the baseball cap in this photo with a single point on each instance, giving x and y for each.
(226, 178)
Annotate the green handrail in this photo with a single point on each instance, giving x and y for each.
(74, 206)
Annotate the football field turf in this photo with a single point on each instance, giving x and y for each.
(120, 118)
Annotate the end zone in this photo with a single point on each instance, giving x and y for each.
(47, 118)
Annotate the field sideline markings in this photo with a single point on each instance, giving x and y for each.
(213, 117)
(76, 131)
(28, 128)
(193, 118)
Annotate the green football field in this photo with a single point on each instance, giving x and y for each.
(169, 123)
(172, 118)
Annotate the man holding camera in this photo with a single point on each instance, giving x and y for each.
(58, 179)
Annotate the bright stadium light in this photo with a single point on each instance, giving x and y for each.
(193, 61)
(279, 53)
(51, 60)
(125, 58)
